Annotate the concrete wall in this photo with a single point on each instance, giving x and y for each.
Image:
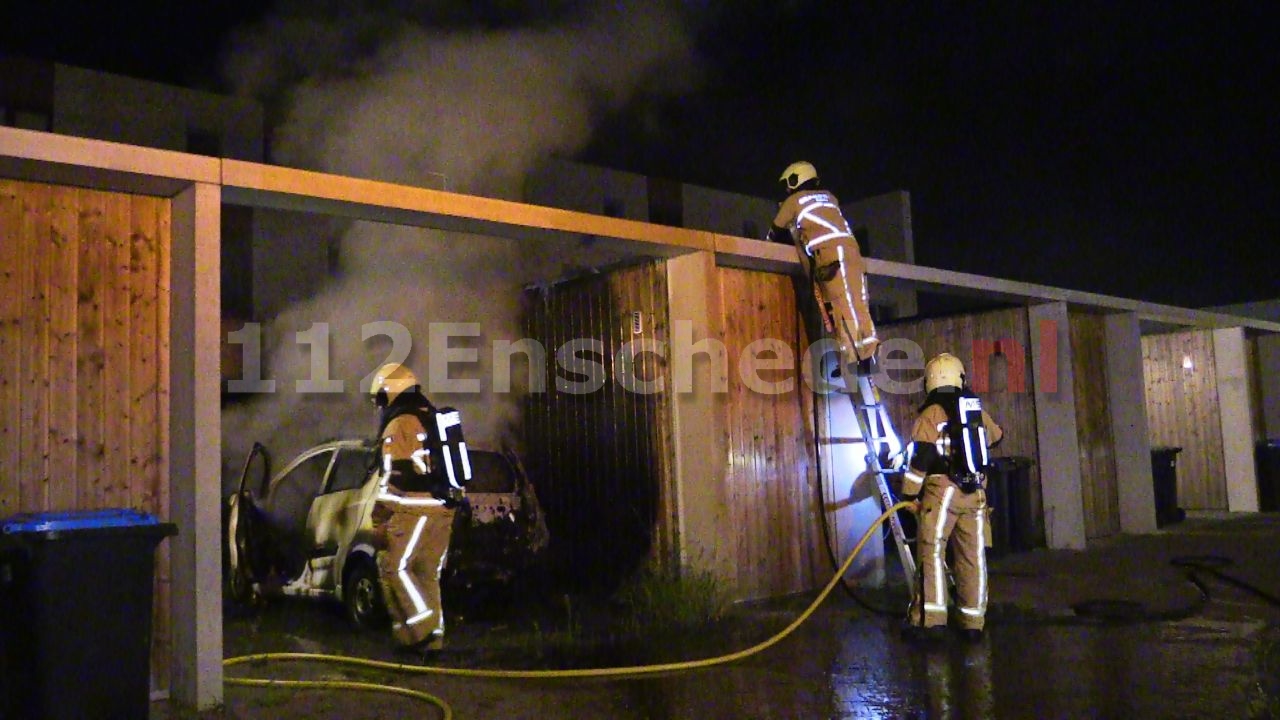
(308, 241)
(727, 213)
(885, 222)
(154, 115)
(585, 188)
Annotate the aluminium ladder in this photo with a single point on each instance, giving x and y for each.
(878, 435)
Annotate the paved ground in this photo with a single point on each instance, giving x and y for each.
(1117, 631)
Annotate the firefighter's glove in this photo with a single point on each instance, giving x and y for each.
(380, 518)
(453, 497)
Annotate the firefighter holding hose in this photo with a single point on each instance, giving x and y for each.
(947, 474)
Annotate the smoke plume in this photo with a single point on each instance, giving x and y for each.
(472, 110)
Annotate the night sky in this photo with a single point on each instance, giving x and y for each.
(1126, 148)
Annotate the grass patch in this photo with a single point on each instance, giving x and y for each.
(1264, 701)
(658, 600)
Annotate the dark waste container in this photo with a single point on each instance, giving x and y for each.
(75, 613)
(1268, 459)
(1164, 476)
(1013, 514)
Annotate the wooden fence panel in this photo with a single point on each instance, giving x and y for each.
(12, 302)
(84, 326)
(1183, 411)
(1093, 425)
(33, 465)
(62, 256)
(603, 459)
(771, 478)
(90, 394)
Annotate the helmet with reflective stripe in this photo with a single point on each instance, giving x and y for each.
(797, 174)
(389, 382)
(945, 370)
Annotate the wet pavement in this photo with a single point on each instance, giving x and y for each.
(1149, 644)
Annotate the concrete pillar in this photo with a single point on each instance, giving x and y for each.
(1235, 411)
(1056, 430)
(1126, 393)
(195, 439)
(704, 535)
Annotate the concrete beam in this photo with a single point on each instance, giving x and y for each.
(1016, 291)
(81, 162)
(1235, 411)
(1056, 430)
(747, 254)
(195, 448)
(1126, 399)
(259, 185)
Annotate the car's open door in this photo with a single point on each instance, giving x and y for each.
(247, 529)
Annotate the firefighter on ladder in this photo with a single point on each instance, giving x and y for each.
(946, 472)
(810, 217)
(424, 469)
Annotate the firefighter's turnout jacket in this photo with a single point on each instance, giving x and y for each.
(947, 473)
(414, 510)
(827, 247)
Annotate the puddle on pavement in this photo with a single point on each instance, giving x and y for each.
(844, 663)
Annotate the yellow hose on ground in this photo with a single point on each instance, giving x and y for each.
(622, 671)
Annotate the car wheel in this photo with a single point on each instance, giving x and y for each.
(362, 594)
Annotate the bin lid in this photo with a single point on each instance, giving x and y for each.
(76, 520)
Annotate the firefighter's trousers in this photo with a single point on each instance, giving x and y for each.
(417, 536)
(949, 516)
(840, 274)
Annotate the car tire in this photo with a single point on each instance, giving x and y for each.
(362, 594)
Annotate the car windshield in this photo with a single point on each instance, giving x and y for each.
(351, 470)
(490, 473)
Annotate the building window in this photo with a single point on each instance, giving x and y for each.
(203, 142)
(28, 120)
(666, 202)
(863, 236)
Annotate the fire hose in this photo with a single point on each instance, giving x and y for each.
(602, 672)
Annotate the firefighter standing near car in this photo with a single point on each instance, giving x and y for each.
(810, 217)
(424, 469)
(947, 474)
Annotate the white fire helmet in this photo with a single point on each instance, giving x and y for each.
(389, 381)
(945, 370)
(797, 174)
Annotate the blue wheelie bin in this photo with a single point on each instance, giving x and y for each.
(75, 613)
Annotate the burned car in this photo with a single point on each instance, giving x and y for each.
(307, 530)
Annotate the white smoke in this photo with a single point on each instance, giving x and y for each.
(479, 109)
